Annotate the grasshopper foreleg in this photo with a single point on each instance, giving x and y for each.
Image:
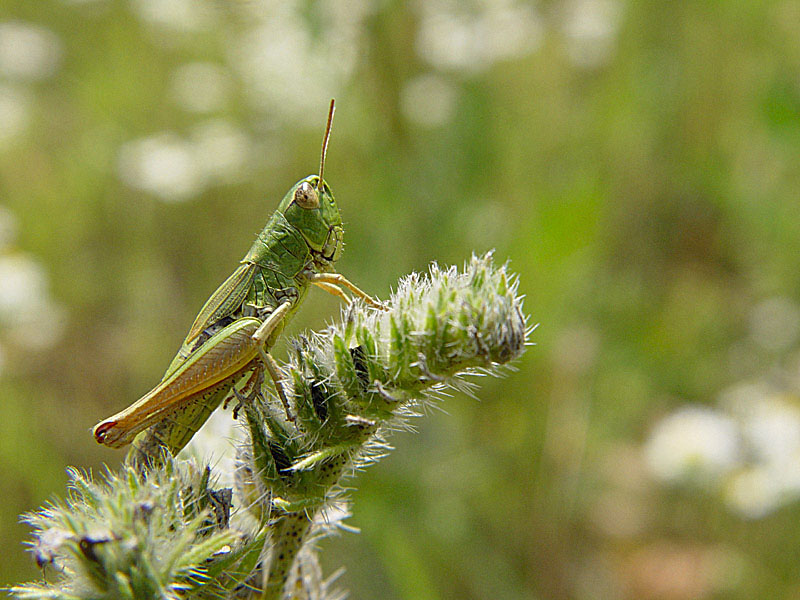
(260, 337)
(334, 290)
(329, 281)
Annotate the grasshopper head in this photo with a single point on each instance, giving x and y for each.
(312, 210)
(310, 207)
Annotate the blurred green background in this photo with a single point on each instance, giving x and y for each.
(637, 162)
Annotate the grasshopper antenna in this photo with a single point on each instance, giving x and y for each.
(325, 143)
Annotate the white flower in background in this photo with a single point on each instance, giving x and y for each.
(775, 324)
(590, 27)
(281, 71)
(770, 425)
(695, 443)
(222, 150)
(771, 429)
(39, 326)
(8, 228)
(754, 493)
(28, 52)
(451, 36)
(445, 40)
(28, 317)
(15, 109)
(22, 282)
(509, 30)
(176, 169)
(163, 165)
(180, 15)
(758, 429)
(291, 70)
(201, 87)
(428, 100)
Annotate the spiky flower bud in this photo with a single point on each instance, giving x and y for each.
(349, 385)
(132, 537)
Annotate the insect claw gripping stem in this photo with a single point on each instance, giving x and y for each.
(251, 387)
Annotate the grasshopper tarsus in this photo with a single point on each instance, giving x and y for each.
(253, 384)
(239, 406)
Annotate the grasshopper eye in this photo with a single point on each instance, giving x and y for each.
(306, 196)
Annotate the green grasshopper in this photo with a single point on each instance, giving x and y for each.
(230, 339)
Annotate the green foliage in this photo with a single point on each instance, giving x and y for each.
(637, 161)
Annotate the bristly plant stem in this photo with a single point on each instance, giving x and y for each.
(350, 386)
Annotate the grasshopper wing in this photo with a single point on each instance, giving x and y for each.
(225, 300)
(228, 353)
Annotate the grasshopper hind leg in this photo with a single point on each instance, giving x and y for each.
(169, 436)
